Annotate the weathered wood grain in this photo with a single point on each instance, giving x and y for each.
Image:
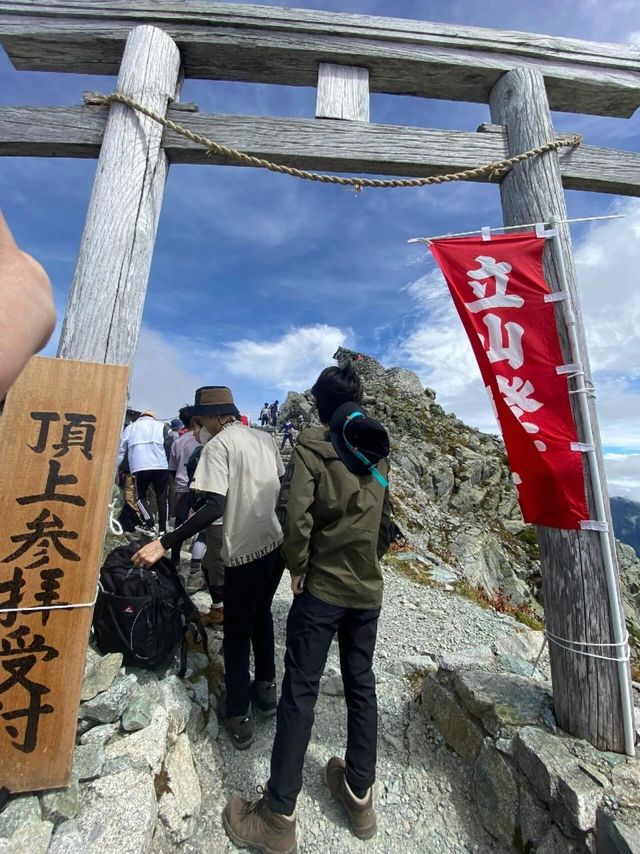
(104, 311)
(343, 92)
(586, 690)
(326, 145)
(265, 44)
(36, 747)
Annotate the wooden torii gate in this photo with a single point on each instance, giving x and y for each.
(152, 44)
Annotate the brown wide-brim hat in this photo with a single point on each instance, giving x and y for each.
(214, 400)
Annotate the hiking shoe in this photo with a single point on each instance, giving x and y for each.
(240, 728)
(213, 617)
(195, 582)
(362, 816)
(146, 531)
(264, 697)
(254, 824)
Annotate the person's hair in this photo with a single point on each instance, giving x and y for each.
(334, 387)
(225, 419)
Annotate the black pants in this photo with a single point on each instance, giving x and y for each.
(310, 629)
(159, 479)
(286, 438)
(248, 593)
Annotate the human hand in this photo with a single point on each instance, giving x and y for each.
(297, 584)
(148, 554)
(27, 311)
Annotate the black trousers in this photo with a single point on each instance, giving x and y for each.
(248, 593)
(286, 438)
(159, 479)
(310, 629)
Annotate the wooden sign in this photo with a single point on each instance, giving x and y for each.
(59, 436)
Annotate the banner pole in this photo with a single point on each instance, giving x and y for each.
(617, 620)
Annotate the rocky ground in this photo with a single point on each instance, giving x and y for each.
(423, 788)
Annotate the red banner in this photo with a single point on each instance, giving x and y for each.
(499, 290)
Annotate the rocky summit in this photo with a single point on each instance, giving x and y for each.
(470, 757)
(453, 497)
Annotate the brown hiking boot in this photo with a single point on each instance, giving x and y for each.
(254, 824)
(362, 816)
(213, 617)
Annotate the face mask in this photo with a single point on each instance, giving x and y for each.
(204, 435)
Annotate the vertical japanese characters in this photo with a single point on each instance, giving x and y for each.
(42, 553)
(499, 291)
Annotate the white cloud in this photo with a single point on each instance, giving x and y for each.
(291, 362)
(168, 369)
(160, 381)
(623, 475)
(608, 261)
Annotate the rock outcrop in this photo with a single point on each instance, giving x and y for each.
(453, 496)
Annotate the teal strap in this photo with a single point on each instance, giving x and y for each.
(371, 466)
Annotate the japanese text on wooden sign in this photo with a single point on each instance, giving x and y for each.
(58, 440)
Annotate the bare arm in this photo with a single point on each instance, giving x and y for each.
(27, 311)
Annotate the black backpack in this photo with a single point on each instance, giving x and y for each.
(144, 613)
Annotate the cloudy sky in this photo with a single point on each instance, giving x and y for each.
(258, 278)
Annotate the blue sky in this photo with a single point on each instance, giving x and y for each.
(257, 278)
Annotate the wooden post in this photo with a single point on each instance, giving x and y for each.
(587, 695)
(343, 92)
(104, 312)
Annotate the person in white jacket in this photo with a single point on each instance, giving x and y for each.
(145, 443)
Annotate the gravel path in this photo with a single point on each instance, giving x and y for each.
(422, 790)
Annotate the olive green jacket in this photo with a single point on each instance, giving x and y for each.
(336, 524)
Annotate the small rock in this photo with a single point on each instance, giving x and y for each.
(201, 692)
(19, 811)
(178, 705)
(100, 674)
(138, 713)
(332, 686)
(60, 805)
(119, 813)
(179, 805)
(88, 760)
(197, 661)
(148, 744)
(99, 734)
(108, 706)
(31, 838)
(212, 728)
(67, 839)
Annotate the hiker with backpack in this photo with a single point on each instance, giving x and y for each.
(264, 415)
(335, 501)
(273, 413)
(239, 475)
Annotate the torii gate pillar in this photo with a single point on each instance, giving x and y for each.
(104, 311)
(576, 598)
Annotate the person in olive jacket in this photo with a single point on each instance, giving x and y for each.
(335, 512)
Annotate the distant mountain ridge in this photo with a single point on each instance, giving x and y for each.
(626, 521)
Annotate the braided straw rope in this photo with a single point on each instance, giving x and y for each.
(495, 169)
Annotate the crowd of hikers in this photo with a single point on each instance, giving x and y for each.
(326, 519)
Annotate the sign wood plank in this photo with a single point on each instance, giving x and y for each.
(59, 436)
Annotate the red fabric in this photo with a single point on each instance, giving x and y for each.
(245, 420)
(498, 288)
